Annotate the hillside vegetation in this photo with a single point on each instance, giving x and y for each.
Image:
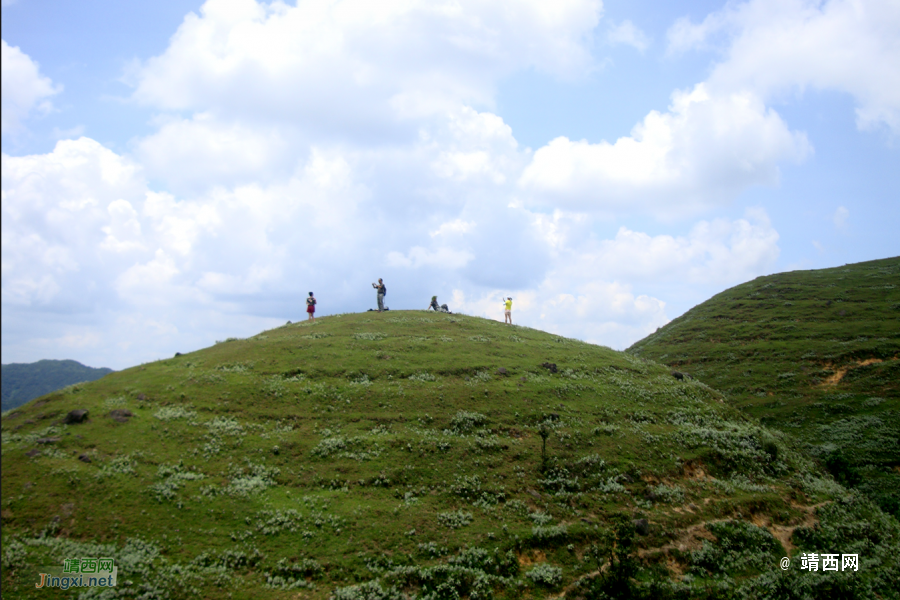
(22, 382)
(812, 353)
(410, 454)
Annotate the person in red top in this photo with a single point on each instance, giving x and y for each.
(311, 307)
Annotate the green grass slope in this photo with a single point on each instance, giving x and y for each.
(812, 353)
(410, 454)
(22, 382)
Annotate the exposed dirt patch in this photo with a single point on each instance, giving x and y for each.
(840, 372)
(689, 539)
(784, 533)
(760, 520)
(675, 567)
(692, 538)
(870, 361)
(696, 470)
(834, 379)
(529, 558)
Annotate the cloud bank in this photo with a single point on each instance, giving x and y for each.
(320, 146)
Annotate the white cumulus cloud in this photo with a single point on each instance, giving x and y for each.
(318, 146)
(701, 153)
(774, 47)
(191, 154)
(353, 67)
(24, 89)
(628, 34)
(840, 217)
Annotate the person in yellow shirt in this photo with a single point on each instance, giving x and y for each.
(507, 311)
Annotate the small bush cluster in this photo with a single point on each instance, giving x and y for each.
(370, 336)
(14, 555)
(467, 421)
(432, 549)
(230, 559)
(489, 444)
(249, 480)
(545, 574)
(239, 367)
(293, 575)
(370, 590)
(540, 518)
(665, 493)
(454, 519)
(361, 379)
(119, 465)
(173, 478)
(169, 413)
(479, 377)
(224, 426)
(423, 377)
(555, 533)
(274, 386)
(114, 402)
(354, 448)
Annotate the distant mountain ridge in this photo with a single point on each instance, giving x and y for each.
(22, 382)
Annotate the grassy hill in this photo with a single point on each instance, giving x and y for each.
(22, 382)
(379, 456)
(812, 353)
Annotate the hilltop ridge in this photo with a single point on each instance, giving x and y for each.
(418, 454)
(813, 353)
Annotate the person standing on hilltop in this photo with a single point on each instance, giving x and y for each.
(311, 307)
(382, 291)
(507, 311)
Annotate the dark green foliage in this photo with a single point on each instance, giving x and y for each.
(544, 432)
(852, 525)
(842, 469)
(617, 548)
(740, 548)
(22, 382)
(367, 591)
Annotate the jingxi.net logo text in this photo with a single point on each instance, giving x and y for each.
(80, 572)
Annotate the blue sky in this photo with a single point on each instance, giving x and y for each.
(176, 173)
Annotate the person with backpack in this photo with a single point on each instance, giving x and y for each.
(382, 292)
(311, 307)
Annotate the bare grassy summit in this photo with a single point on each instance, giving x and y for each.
(418, 455)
